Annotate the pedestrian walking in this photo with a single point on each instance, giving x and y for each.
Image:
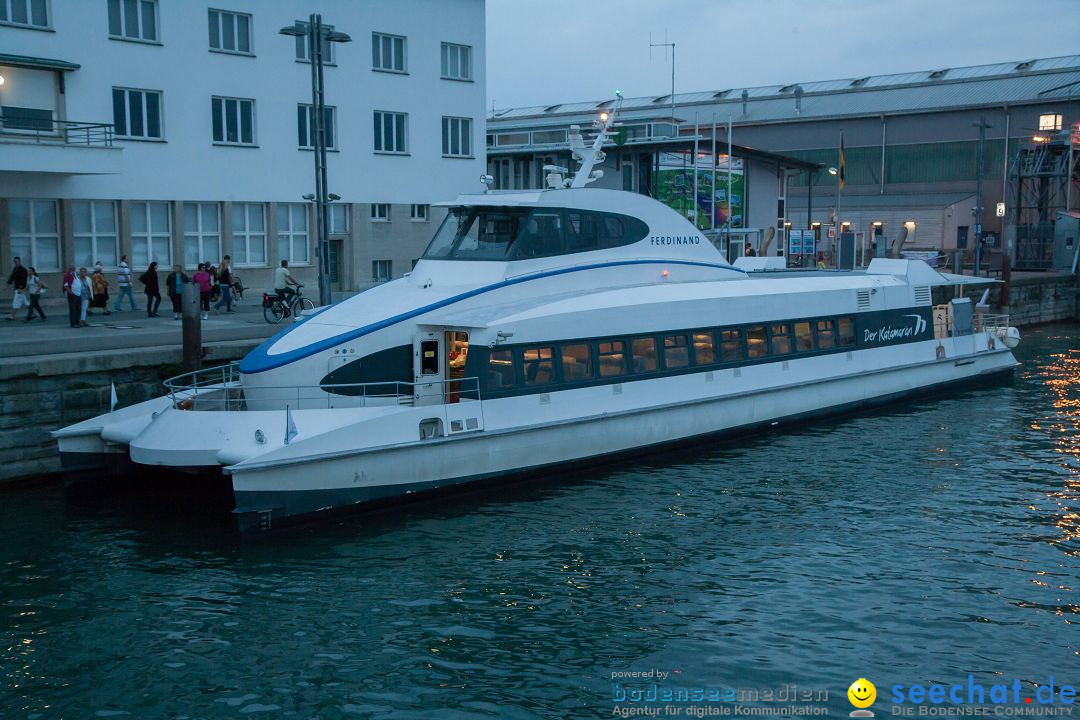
(35, 287)
(18, 279)
(123, 284)
(73, 300)
(203, 279)
(82, 287)
(174, 286)
(100, 285)
(149, 279)
(225, 280)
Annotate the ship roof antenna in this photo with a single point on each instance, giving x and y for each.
(590, 156)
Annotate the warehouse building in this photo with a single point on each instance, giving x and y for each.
(911, 146)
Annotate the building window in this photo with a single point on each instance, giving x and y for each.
(26, 13)
(456, 62)
(1050, 121)
(390, 132)
(420, 213)
(202, 233)
(137, 113)
(230, 32)
(151, 234)
(34, 233)
(381, 270)
(380, 212)
(303, 51)
(292, 232)
(249, 234)
(305, 127)
(387, 52)
(94, 224)
(133, 20)
(456, 137)
(234, 121)
(339, 220)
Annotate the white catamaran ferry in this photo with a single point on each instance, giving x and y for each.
(543, 328)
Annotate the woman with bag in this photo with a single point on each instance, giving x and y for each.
(174, 286)
(100, 289)
(204, 280)
(35, 287)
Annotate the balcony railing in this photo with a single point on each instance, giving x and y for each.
(65, 132)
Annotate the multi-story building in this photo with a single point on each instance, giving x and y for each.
(181, 132)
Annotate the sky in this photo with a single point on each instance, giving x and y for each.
(542, 52)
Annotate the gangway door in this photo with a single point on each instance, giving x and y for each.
(428, 370)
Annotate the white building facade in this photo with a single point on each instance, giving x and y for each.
(180, 132)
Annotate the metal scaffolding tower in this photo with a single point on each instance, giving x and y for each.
(1045, 178)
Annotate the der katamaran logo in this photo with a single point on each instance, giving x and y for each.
(887, 333)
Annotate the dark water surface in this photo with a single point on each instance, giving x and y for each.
(918, 544)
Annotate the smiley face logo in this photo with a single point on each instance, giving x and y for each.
(862, 694)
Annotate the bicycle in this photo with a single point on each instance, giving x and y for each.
(275, 308)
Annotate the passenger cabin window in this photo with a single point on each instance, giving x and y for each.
(804, 339)
(826, 335)
(510, 233)
(845, 330)
(645, 356)
(576, 362)
(538, 365)
(500, 372)
(676, 352)
(731, 344)
(781, 338)
(757, 341)
(612, 357)
(704, 352)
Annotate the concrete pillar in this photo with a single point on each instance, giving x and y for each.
(123, 230)
(177, 232)
(226, 231)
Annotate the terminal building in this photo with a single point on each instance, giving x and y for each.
(911, 154)
(181, 132)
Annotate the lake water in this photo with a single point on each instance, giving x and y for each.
(918, 544)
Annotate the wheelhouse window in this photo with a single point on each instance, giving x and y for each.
(506, 233)
(731, 345)
(500, 372)
(845, 330)
(25, 13)
(576, 362)
(804, 338)
(676, 352)
(757, 341)
(612, 358)
(781, 338)
(704, 350)
(538, 365)
(826, 334)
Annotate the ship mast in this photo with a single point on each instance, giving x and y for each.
(590, 157)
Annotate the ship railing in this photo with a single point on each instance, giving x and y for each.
(995, 323)
(219, 388)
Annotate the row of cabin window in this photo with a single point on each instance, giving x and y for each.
(588, 360)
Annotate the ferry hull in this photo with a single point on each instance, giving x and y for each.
(269, 497)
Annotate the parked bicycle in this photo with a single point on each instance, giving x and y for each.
(276, 308)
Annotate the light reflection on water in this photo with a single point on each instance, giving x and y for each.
(918, 544)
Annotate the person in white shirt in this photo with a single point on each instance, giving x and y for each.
(123, 282)
(82, 287)
(34, 287)
(282, 280)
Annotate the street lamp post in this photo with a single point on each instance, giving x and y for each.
(317, 34)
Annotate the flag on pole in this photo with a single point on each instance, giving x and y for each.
(290, 426)
(841, 168)
(112, 397)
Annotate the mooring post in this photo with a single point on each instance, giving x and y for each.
(192, 330)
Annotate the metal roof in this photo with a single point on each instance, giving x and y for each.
(37, 63)
(1014, 82)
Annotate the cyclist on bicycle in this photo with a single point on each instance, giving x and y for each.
(282, 280)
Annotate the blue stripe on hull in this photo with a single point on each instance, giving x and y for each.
(259, 360)
(293, 507)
